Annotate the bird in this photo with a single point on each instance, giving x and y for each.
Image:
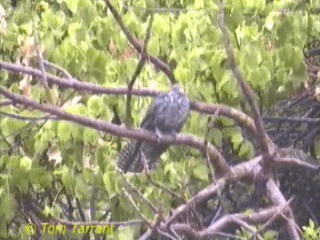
(165, 117)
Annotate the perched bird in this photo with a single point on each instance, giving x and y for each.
(166, 116)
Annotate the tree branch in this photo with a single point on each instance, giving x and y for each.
(156, 61)
(73, 83)
(245, 87)
(136, 73)
(216, 158)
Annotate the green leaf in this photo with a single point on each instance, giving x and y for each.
(9, 126)
(216, 136)
(69, 181)
(67, 131)
(236, 139)
(270, 235)
(73, 29)
(8, 205)
(41, 177)
(260, 77)
(53, 211)
(181, 72)
(20, 179)
(62, 170)
(269, 22)
(199, 4)
(153, 46)
(27, 27)
(246, 150)
(72, 5)
(201, 172)
(25, 163)
(90, 136)
(96, 105)
(125, 233)
(227, 77)
(81, 188)
(110, 183)
(64, 133)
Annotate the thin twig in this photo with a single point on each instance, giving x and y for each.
(99, 223)
(136, 191)
(156, 61)
(300, 120)
(44, 80)
(166, 190)
(23, 118)
(137, 72)
(136, 208)
(60, 69)
(81, 213)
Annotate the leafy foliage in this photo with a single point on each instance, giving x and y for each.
(39, 160)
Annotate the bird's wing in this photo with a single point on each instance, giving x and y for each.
(148, 122)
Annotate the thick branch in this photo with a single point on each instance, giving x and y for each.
(217, 159)
(223, 110)
(278, 199)
(245, 87)
(5, 103)
(228, 221)
(243, 171)
(73, 83)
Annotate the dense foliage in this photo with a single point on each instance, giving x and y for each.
(51, 166)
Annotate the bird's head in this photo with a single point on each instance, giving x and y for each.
(177, 88)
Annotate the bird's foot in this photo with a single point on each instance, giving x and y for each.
(161, 135)
(145, 164)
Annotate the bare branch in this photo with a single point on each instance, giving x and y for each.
(34, 119)
(136, 191)
(270, 221)
(136, 208)
(166, 190)
(237, 219)
(137, 72)
(99, 223)
(277, 198)
(217, 159)
(288, 163)
(156, 61)
(81, 213)
(292, 119)
(5, 103)
(74, 83)
(202, 196)
(60, 69)
(226, 111)
(44, 80)
(247, 91)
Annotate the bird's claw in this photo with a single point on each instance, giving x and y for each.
(160, 135)
(159, 138)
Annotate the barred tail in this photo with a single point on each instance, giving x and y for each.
(137, 155)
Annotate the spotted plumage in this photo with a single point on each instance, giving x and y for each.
(166, 116)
